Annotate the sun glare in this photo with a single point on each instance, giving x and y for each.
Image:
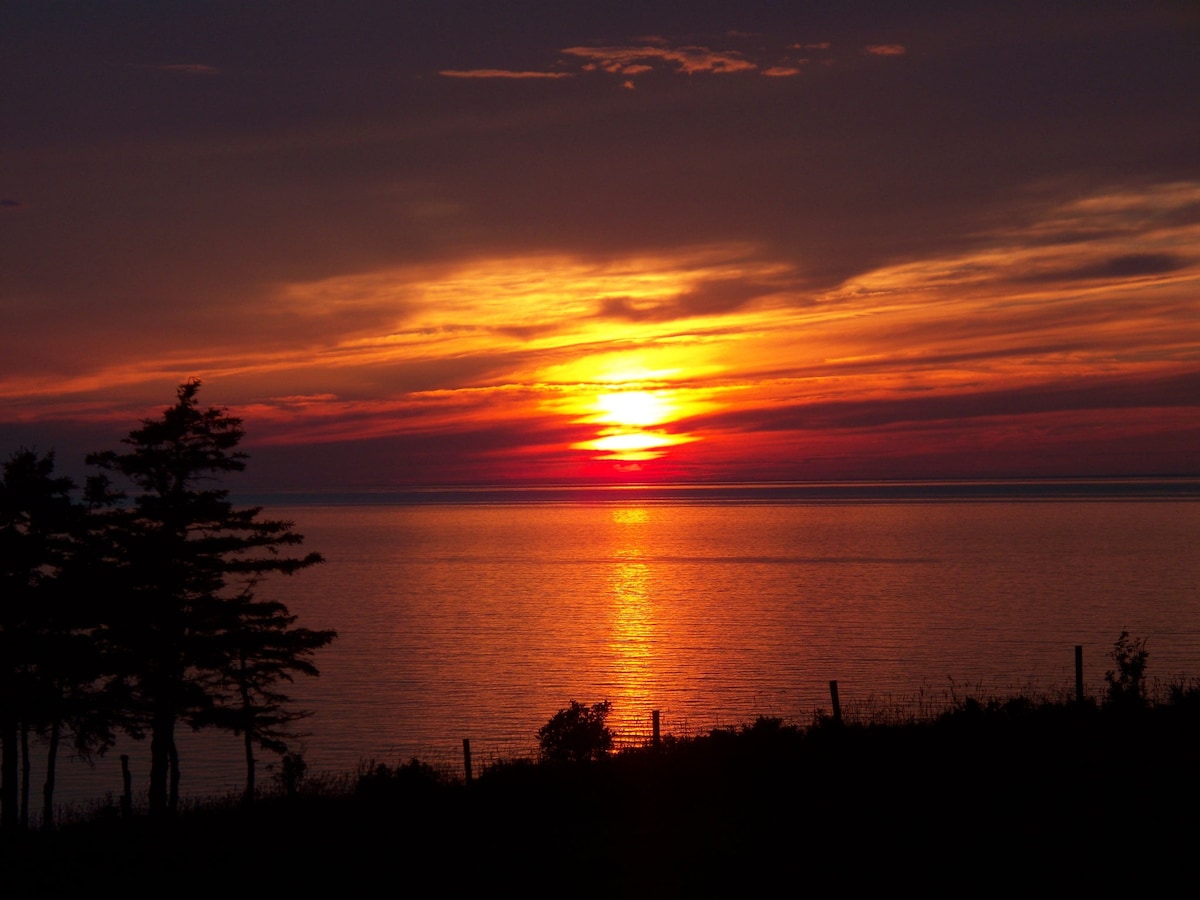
(629, 418)
(630, 442)
(633, 409)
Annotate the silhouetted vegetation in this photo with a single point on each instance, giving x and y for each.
(1126, 683)
(137, 612)
(994, 791)
(576, 733)
(49, 669)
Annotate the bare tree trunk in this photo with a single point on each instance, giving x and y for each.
(162, 743)
(48, 787)
(24, 775)
(247, 734)
(248, 740)
(173, 800)
(127, 788)
(8, 773)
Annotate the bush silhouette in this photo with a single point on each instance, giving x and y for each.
(577, 733)
(1126, 683)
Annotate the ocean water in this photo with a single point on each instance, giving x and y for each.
(479, 614)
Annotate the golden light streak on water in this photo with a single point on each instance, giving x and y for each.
(634, 625)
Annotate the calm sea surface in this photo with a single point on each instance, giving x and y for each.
(479, 615)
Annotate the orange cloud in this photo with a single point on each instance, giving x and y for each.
(707, 333)
(676, 360)
(688, 60)
(886, 49)
(653, 53)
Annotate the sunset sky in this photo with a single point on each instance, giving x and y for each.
(491, 242)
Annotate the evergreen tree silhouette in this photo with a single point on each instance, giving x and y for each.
(261, 649)
(37, 662)
(182, 558)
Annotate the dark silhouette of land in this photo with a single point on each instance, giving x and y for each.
(1012, 793)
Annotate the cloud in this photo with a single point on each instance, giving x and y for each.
(690, 60)
(11, 204)
(501, 73)
(886, 49)
(716, 297)
(1129, 265)
(1088, 239)
(1178, 391)
(655, 53)
(715, 292)
(632, 310)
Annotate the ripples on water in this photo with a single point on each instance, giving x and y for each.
(481, 619)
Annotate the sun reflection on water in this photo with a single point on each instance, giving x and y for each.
(635, 624)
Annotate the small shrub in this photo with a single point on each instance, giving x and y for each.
(292, 772)
(1183, 695)
(576, 734)
(1127, 682)
(412, 778)
(764, 725)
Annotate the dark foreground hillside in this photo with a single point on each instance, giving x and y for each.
(1015, 795)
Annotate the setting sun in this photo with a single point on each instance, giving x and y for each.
(634, 409)
(625, 417)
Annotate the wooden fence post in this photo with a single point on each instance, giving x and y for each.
(467, 758)
(655, 728)
(837, 705)
(1079, 673)
(127, 784)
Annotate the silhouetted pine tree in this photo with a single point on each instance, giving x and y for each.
(261, 649)
(181, 559)
(37, 630)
